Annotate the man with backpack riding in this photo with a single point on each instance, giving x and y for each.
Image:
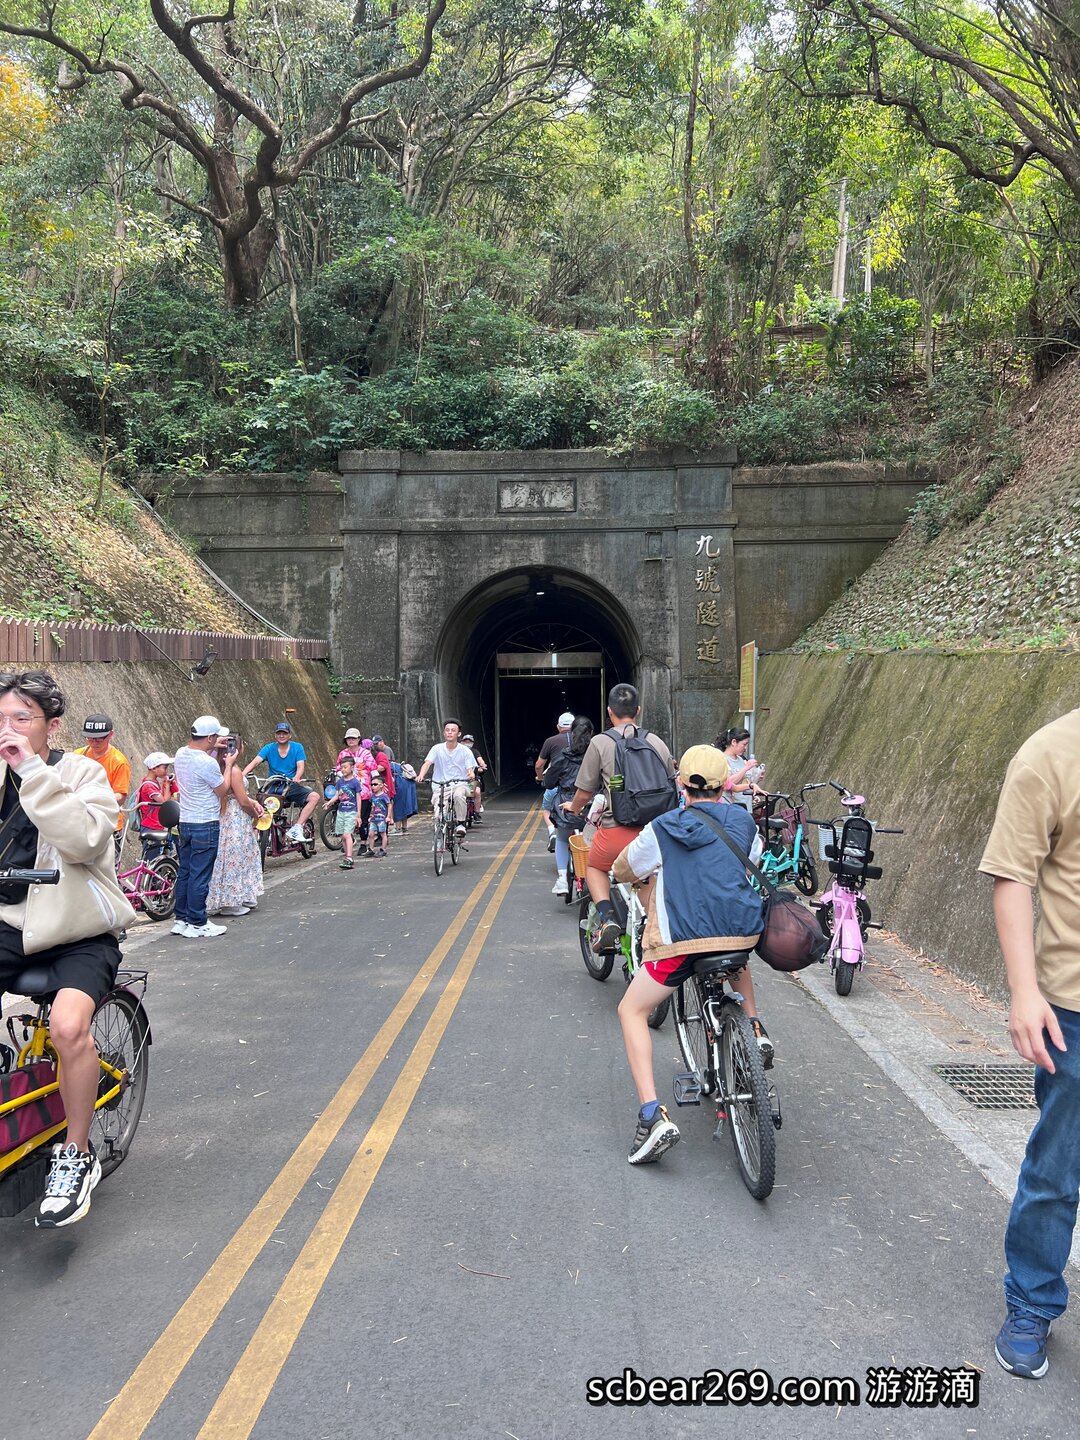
(636, 772)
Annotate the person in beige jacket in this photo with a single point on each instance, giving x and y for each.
(58, 812)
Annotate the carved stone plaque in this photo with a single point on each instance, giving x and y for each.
(537, 496)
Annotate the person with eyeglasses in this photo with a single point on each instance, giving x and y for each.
(58, 812)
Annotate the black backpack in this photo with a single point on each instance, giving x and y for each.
(648, 791)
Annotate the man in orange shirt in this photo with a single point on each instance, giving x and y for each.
(98, 730)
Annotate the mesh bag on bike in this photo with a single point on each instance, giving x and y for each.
(791, 939)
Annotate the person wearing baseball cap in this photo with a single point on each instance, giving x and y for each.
(702, 904)
(98, 730)
(202, 784)
(287, 758)
(156, 787)
(550, 748)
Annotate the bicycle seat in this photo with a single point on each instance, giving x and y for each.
(721, 962)
(775, 823)
(33, 981)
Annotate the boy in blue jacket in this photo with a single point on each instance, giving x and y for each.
(702, 903)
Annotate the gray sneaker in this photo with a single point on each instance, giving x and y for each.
(652, 1140)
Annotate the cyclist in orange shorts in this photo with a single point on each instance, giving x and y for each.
(597, 768)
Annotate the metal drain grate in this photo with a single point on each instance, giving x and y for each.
(991, 1087)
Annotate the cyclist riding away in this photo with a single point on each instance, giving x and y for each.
(287, 757)
(551, 747)
(469, 742)
(59, 811)
(597, 770)
(453, 764)
(702, 904)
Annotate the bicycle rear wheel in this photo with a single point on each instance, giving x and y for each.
(806, 878)
(453, 840)
(157, 888)
(122, 1035)
(658, 1014)
(438, 845)
(697, 1051)
(745, 1096)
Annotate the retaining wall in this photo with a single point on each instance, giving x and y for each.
(927, 738)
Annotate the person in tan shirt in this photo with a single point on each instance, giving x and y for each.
(1035, 844)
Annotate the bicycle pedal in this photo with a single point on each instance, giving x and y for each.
(687, 1089)
(874, 925)
(721, 1119)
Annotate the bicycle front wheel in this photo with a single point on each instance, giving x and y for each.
(599, 965)
(806, 878)
(157, 888)
(659, 1013)
(693, 1038)
(745, 1096)
(326, 831)
(438, 846)
(121, 1034)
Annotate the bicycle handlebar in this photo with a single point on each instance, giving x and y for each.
(887, 830)
(13, 875)
(840, 789)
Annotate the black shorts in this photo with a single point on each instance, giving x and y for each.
(86, 965)
(291, 791)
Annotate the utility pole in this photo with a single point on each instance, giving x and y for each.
(839, 272)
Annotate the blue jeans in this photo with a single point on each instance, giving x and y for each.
(562, 849)
(198, 851)
(1043, 1216)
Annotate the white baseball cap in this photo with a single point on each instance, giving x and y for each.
(223, 732)
(157, 757)
(352, 734)
(566, 719)
(205, 726)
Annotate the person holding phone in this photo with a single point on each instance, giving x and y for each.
(237, 882)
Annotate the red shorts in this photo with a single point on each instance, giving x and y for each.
(609, 843)
(671, 972)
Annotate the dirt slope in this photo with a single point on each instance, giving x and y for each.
(1009, 579)
(63, 561)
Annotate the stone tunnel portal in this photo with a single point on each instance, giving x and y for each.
(525, 646)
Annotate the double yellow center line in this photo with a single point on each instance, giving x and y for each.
(245, 1392)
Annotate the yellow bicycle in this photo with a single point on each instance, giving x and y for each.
(31, 1112)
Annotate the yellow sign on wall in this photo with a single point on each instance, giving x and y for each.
(748, 678)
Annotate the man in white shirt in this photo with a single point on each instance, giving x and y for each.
(202, 786)
(455, 766)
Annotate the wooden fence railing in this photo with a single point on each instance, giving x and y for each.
(31, 643)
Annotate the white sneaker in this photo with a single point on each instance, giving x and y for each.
(295, 833)
(460, 831)
(180, 928)
(560, 887)
(204, 932)
(233, 910)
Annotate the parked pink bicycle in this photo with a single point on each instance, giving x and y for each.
(150, 885)
(843, 911)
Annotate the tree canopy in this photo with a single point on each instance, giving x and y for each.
(248, 235)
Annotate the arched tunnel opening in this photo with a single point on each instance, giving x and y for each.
(522, 648)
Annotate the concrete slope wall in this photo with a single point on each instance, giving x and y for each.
(926, 738)
(152, 704)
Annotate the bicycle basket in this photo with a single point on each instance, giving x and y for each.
(579, 853)
(794, 817)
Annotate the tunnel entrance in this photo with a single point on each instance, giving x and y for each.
(522, 648)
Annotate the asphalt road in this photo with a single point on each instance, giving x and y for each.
(380, 1188)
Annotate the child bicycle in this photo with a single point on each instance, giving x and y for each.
(32, 1116)
(724, 1063)
(630, 914)
(843, 911)
(150, 885)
